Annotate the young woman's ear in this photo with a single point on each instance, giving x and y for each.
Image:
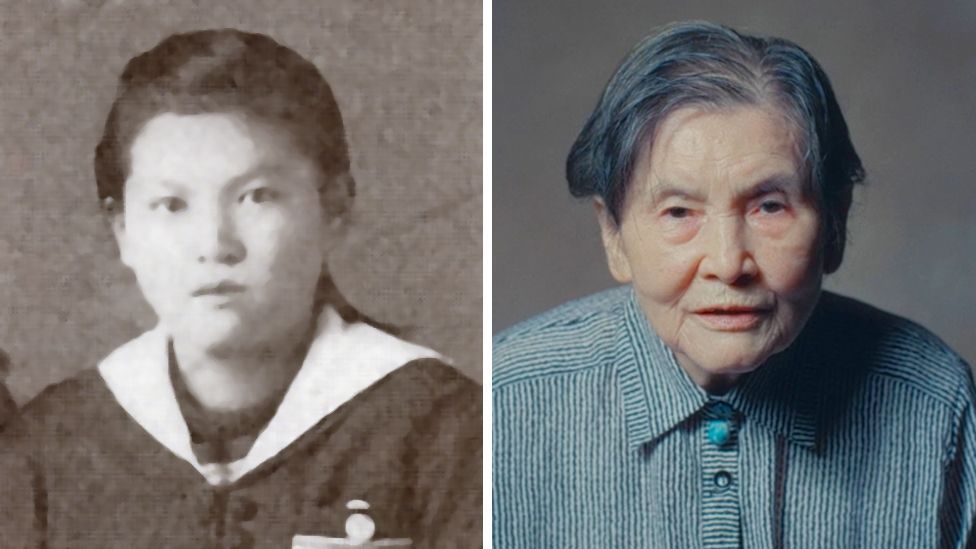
(336, 197)
(116, 218)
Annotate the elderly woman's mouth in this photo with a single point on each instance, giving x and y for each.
(732, 318)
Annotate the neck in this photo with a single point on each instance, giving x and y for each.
(242, 378)
(716, 385)
(713, 384)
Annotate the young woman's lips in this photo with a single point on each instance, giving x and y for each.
(222, 289)
(732, 319)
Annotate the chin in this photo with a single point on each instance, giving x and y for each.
(733, 361)
(212, 333)
(736, 368)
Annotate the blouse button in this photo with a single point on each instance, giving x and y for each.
(722, 479)
(718, 431)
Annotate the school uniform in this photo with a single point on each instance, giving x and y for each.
(7, 405)
(107, 459)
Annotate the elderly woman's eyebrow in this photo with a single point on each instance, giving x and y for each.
(663, 190)
(775, 184)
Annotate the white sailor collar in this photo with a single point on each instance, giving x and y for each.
(343, 360)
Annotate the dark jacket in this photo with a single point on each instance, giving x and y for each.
(80, 468)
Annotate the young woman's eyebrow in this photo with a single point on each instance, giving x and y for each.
(257, 172)
(181, 187)
(170, 185)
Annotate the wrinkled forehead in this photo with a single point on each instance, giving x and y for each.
(700, 146)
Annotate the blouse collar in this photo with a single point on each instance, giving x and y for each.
(343, 360)
(783, 395)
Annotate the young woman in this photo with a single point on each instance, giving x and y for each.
(7, 405)
(263, 409)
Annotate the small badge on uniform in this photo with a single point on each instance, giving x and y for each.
(359, 533)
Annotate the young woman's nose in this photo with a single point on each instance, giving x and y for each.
(727, 256)
(219, 240)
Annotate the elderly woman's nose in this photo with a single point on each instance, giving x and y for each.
(727, 255)
(218, 239)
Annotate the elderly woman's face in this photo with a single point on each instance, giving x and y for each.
(721, 240)
(223, 228)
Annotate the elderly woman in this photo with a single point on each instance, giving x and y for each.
(720, 398)
(263, 410)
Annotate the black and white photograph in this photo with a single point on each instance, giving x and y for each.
(241, 274)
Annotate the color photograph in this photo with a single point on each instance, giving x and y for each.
(732, 259)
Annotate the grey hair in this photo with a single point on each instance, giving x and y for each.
(701, 63)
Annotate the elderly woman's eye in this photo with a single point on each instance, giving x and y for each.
(677, 212)
(259, 195)
(771, 207)
(171, 204)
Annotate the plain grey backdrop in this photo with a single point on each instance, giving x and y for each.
(904, 73)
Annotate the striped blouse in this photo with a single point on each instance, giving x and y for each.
(861, 434)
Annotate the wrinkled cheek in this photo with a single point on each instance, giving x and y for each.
(794, 271)
(661, 283)
(668, 274)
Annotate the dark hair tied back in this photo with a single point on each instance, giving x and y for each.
(226, 71)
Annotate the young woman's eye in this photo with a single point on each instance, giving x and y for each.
(171, 204)
(259, 195)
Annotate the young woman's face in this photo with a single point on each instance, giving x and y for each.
(223, 228)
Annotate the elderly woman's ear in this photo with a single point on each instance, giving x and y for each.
(836, 237)
(612, 245)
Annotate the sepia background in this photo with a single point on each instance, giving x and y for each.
(904, 73)
(407, 76)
